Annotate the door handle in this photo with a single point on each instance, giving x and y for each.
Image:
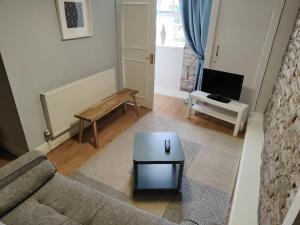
(217, 52)
(151, 58)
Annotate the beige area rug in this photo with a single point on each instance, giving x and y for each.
(211, 166)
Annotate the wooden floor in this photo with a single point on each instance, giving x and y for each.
(70, 155)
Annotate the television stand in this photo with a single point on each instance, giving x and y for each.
(233, 112)
(219, 98)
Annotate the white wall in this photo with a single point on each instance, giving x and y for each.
(168, 67)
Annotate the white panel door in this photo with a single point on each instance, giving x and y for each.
(137, 24)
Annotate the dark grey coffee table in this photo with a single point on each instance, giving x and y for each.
(154, 168)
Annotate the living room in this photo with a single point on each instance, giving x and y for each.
(84, 138)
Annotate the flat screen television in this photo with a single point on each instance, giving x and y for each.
(222, 84)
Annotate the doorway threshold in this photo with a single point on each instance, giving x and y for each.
(171, 93)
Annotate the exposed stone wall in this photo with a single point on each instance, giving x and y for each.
(188, 70)
(280, 170)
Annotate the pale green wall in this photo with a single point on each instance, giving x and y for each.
(37, 60)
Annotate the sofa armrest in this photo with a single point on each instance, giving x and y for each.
(22, 177)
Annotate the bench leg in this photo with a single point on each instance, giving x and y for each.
(95, 134)
(81, 126)
(136, 106)
(179, 184)
(124, 107)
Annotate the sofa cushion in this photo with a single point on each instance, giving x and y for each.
(116, 212)
(71, 198)
(76, 201)
(23, 186)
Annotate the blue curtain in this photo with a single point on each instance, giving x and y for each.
(195, 19)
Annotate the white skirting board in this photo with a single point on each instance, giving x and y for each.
(246, 196)
(44, 148)
(66, 135)
(47, 147)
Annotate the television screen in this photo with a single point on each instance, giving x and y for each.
(224, 84)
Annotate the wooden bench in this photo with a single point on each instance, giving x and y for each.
(102, 108)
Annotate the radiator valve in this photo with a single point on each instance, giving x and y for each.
(47, 134)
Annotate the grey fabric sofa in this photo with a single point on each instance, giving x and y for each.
(32, 192)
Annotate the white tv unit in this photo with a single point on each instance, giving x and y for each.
(233, 112)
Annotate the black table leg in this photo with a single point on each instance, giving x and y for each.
(135, 171)
(180, 175)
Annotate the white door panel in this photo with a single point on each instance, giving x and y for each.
(132, 36)
(137, 24)
(133, 69)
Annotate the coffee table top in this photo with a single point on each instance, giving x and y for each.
(149, 147)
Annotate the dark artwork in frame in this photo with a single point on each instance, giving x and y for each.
(74, 14)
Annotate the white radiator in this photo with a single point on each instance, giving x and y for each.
(61, 104)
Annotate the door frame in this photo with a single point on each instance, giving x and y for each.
(120, 72)
(213, 25)
(212, 32)
(119, 45)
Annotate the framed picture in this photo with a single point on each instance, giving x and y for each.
(75, 18)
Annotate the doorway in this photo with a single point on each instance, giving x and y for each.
(170, 44)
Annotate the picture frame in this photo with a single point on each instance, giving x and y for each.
(75, 18)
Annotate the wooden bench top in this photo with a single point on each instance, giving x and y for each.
(106, 105)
